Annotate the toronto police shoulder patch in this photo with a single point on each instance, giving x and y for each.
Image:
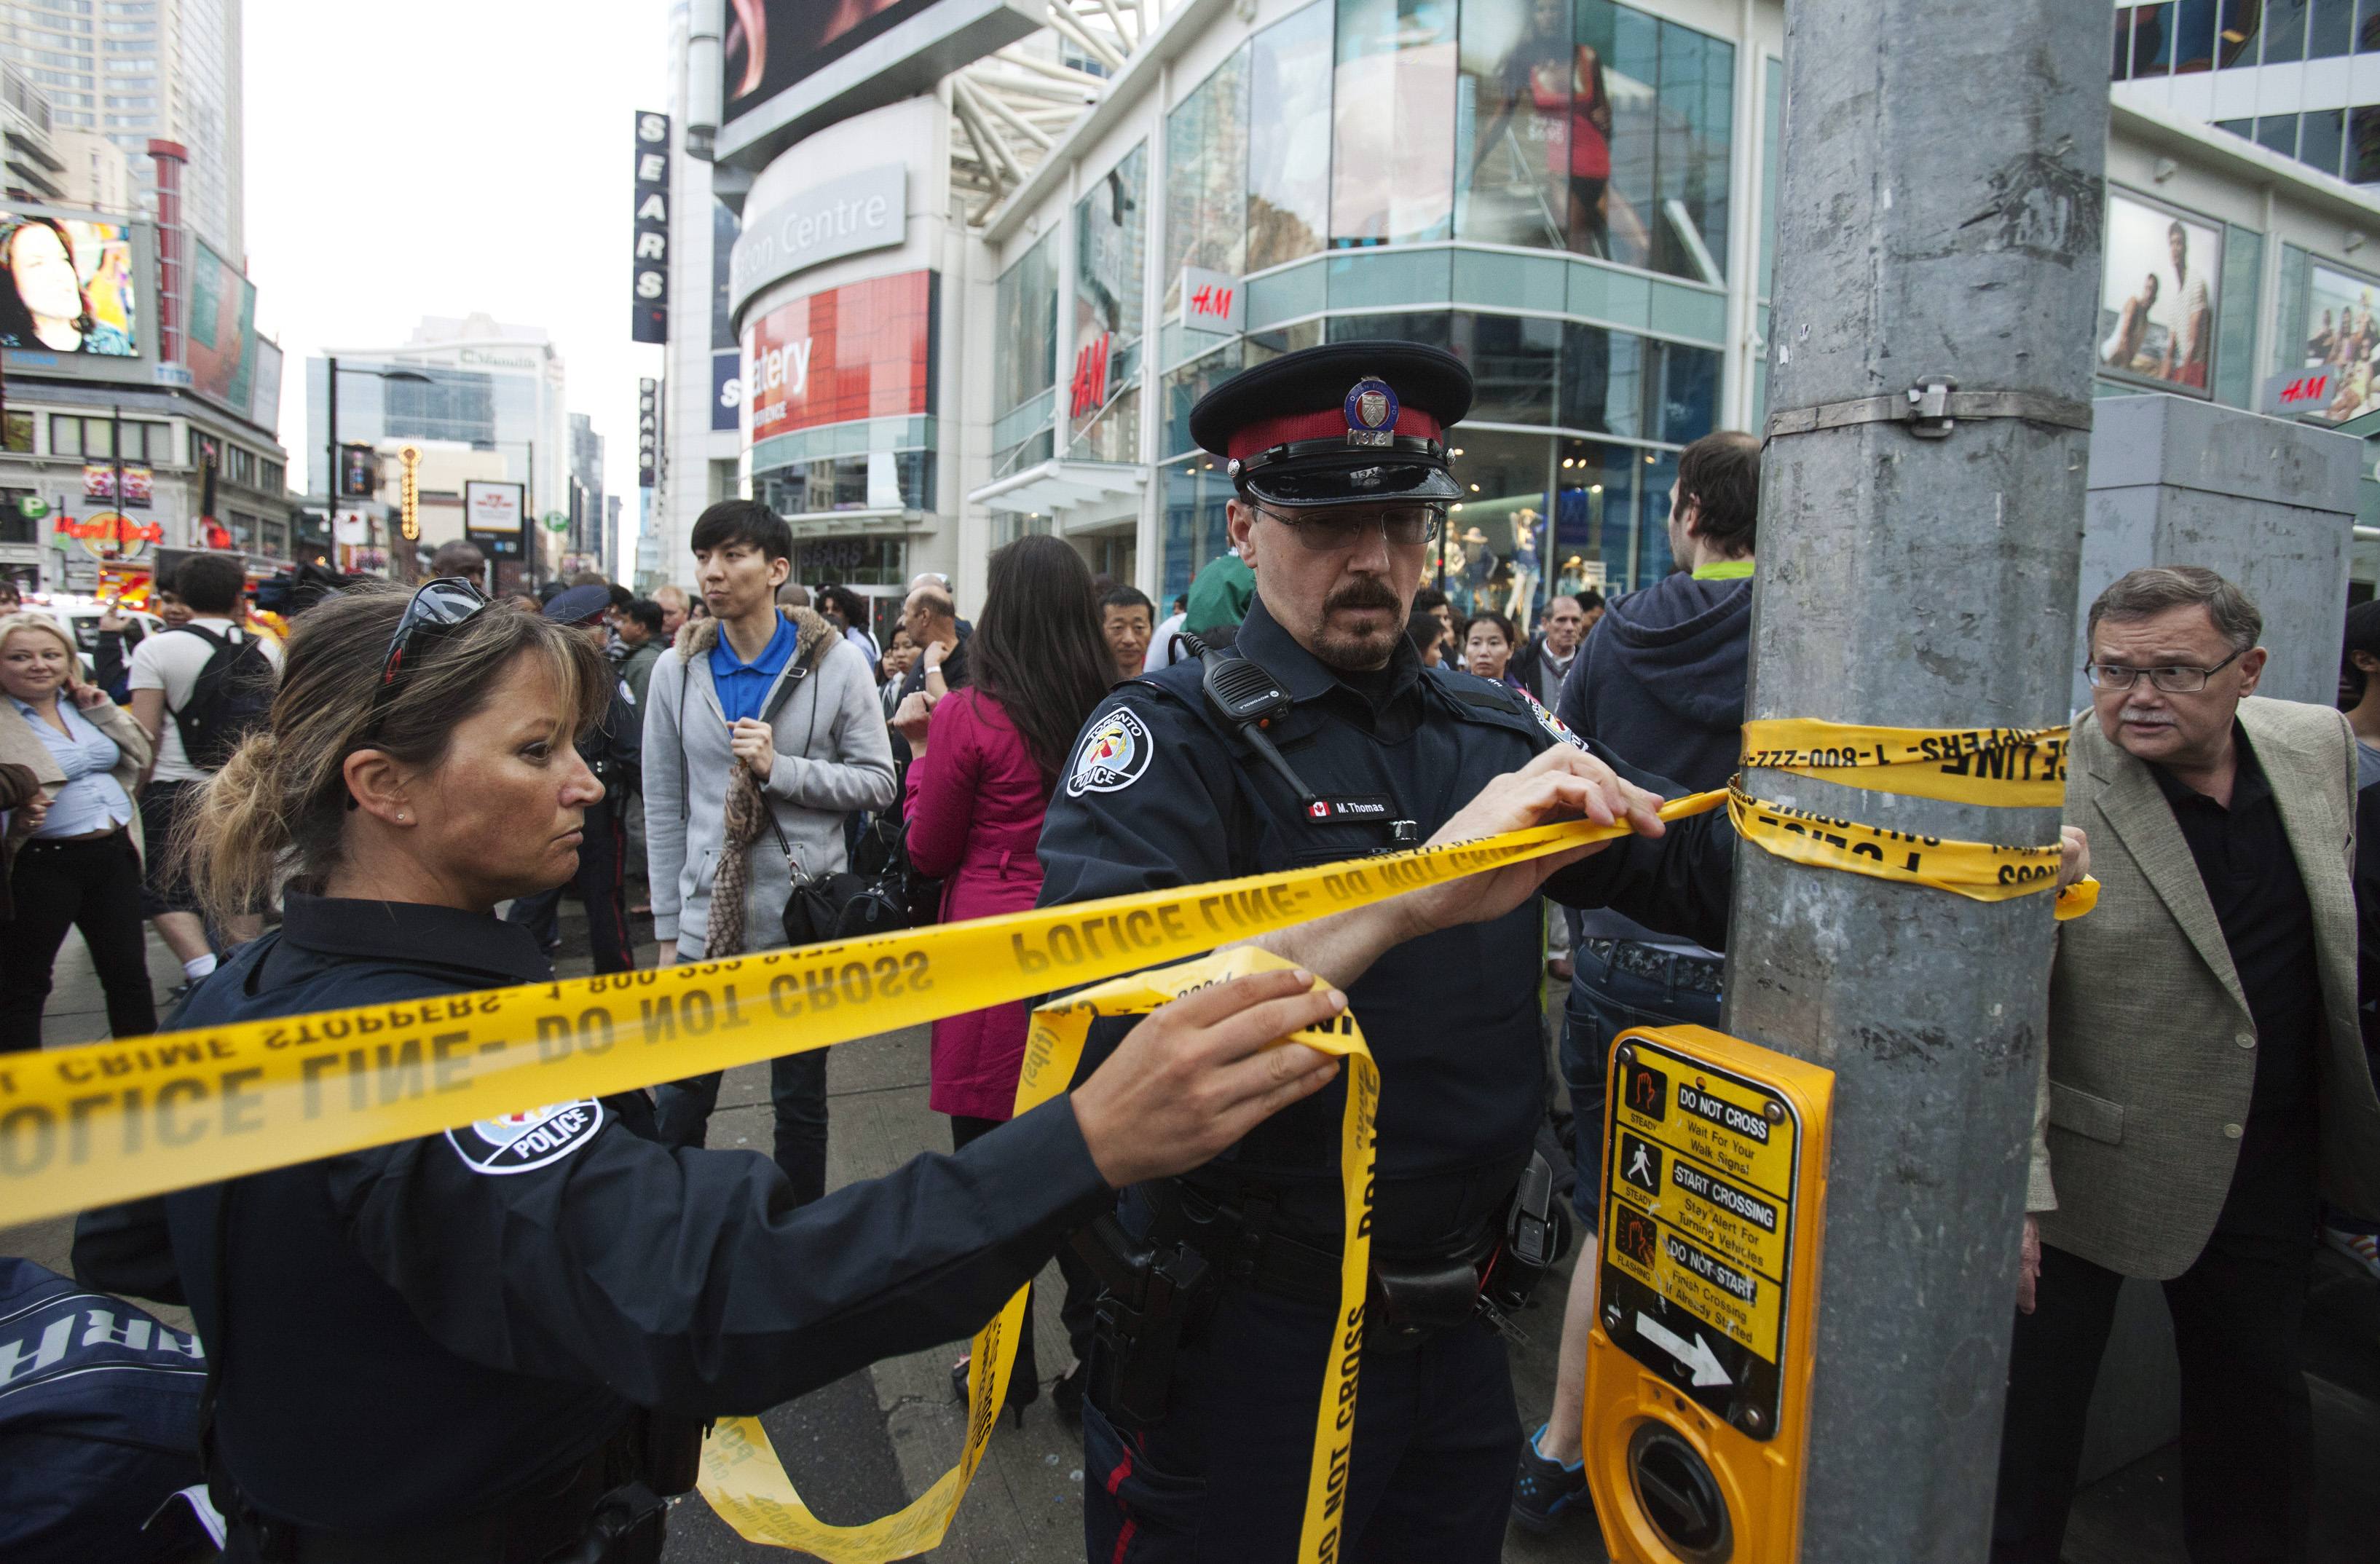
(1114, 753)
(518, 1143)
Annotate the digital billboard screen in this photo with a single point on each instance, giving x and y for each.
(861, 351)
(220, 343)
(66, 285)
(772, 44)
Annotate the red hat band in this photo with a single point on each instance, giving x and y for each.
(1330, 423)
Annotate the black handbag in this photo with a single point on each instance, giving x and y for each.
(882, 854)
(824, 907)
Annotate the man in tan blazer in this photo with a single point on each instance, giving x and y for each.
(2205, 1074)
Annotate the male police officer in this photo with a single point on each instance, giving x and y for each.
(1201, 1424)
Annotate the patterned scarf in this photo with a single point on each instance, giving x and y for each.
(745, 817)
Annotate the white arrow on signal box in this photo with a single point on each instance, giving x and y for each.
(1698, 1357)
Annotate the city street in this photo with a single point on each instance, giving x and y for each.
(866, 1445)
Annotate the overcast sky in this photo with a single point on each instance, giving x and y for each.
(437, 157)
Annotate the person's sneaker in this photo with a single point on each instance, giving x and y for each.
(1544, 1489)
(2360, 1248)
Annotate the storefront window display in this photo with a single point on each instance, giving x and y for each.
(1206, 179)
(1024, 353)
(1597, 129)
(1289, 155)
(1392, 142)
(1491, 552)
(1531, 120)
(1103, 395)
(1611, 517)
(1660, 200)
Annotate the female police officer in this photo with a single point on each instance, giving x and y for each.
(443, 1349)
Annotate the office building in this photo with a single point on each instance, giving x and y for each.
(133, 70)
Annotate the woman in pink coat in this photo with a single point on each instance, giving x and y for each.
(986, 760)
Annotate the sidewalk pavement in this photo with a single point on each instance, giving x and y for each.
(866, 1445)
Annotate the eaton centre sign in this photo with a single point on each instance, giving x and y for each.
(865, 211)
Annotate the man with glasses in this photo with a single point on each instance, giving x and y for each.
(1340, 465)
(2205, 1074)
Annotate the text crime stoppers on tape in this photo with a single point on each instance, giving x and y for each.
(2007, 767)
(2000, 768)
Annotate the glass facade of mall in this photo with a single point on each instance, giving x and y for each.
(1545, 188)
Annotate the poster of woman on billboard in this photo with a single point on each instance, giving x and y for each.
(67, 284)
(2341, 337)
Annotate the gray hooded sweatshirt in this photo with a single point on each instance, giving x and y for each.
(833, 756)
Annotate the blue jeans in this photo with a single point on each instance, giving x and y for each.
(1604, 1002)
(796, 1089)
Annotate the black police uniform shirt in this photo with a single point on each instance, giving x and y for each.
(1163, 793)
(413, 1333)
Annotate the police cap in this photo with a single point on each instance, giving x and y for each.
(1350, 423)
(579, 605)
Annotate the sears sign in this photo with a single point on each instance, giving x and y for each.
(649, 322)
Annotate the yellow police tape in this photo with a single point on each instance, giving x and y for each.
(2002, 767)
(103, 1122)
(2007, 767)
(1981, 871)
(746, 1484)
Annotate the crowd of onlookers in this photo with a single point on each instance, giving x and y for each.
(775, 753)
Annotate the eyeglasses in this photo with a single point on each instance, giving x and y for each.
(2172, 681)
(436, 609)
(1328, 529)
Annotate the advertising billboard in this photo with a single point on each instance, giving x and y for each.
(219, 342)
(791, 66)
(864, 350)
(650, 270)
(99, 483)
(67, 284)
(2340, 354)
(2158, 294)
(264, 407)
(493, 507)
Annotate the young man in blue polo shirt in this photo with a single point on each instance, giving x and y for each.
(757, 713)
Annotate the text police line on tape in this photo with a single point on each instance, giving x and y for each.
(102, 1122)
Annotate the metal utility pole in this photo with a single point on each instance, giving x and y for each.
(330, 439)
(1940, 221)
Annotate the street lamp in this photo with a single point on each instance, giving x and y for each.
(330, 384)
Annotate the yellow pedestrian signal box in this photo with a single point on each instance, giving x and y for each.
(1698, 1366)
